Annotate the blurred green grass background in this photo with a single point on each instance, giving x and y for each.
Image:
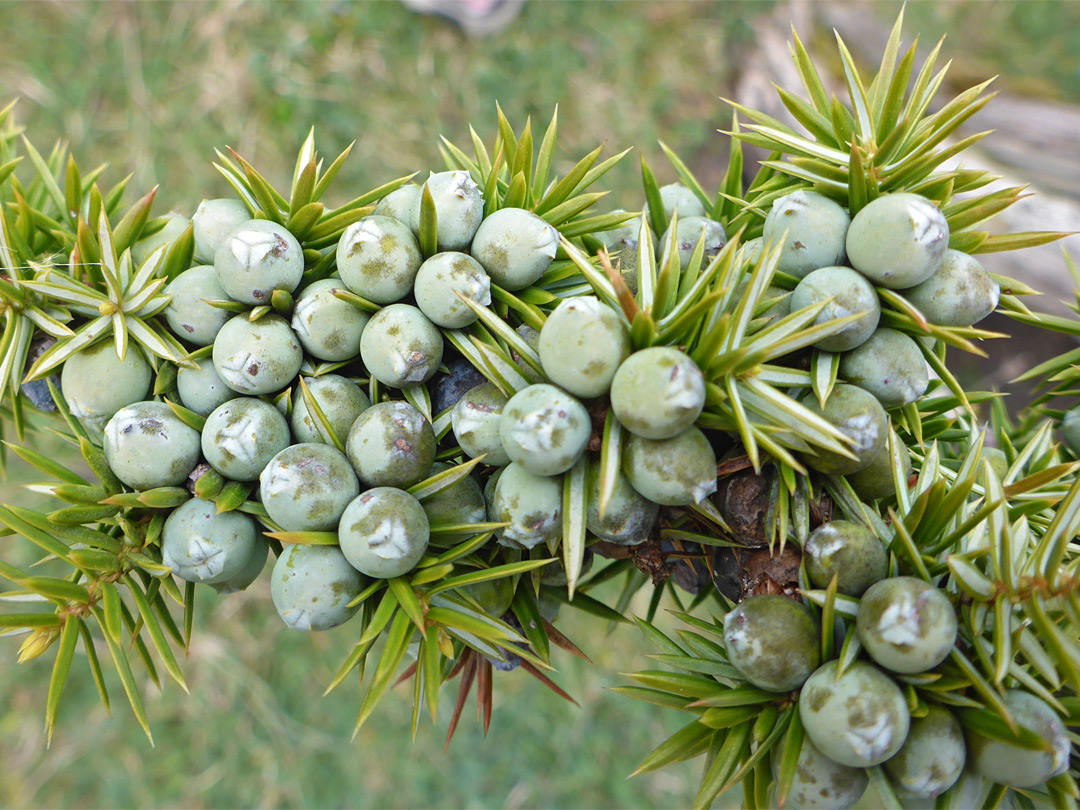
(154, 88)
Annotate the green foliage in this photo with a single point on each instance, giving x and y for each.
(998, 541)
(388, 78)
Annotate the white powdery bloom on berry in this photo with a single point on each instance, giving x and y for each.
(239, 439)
(899, 623)
(547, 242)
(928, 226)
(253, 247)
(535, 432)
(301, 321)
(366, 230)
(872, 741)
(79, 411)
(685, 389)
(478, 289)
(462, 184)
(390, 540)
(409, 366)
(747, 644)
(207, 558)
(297, 619)
(863, 428)
(704, 490)
(235, 370)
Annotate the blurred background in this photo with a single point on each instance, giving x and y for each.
(154, 88)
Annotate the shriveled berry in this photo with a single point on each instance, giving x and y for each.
(242, 435)
(772, 641)
(384, 532)
(858, 719)
(691, 575)
(147, 446)
(312, 586)
(906, 625)
(815, 228)
(391, 445)
(544, 429)
(582, 345)
(657, 393)
(850, 552)
(515, 246)
(898, 240)
(476, 419)
(679, 471)
(201, 545)
(846, 293)
(306, 487)
(377, 258)
(447, 388)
